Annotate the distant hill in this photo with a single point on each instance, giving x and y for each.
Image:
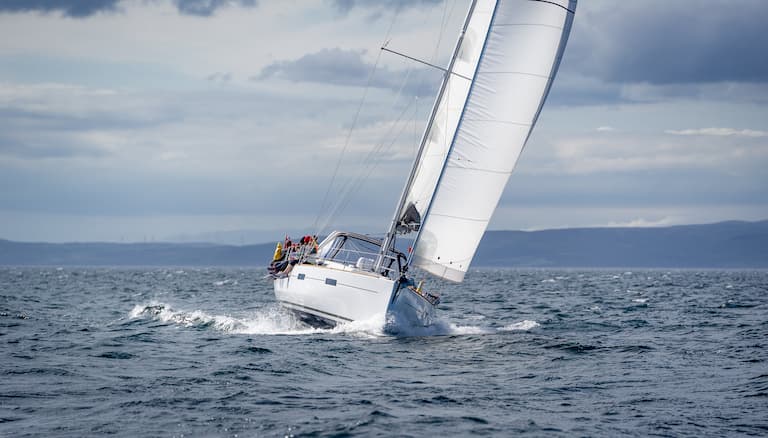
(132, 254)
(721, 245)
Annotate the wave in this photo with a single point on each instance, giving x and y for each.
(268, 321)
(274, 320)
(524, 325)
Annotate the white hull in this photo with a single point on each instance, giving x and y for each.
(330, 295)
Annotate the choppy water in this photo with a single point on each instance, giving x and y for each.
(187, 352)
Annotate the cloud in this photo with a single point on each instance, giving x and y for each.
(644, 223)
(207, 8)
(333, 66)
(719, 132)
(680, 42)
(631, 152)
(345, 6)
(86, 8)
(348, 68)
(70, 8)
(219, 77)
(212, 151)
(151, 130)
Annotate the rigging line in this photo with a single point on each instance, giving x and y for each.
(442, 31)
(354, 124)
(346, 142)
(444, 26)
(384, 48)
(347, 188)
(372, 164)
(342, 201)
(354, 183)
(369, 164)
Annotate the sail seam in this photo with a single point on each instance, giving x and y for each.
(530, 24)
(508, 122)
(461, 217)
(478, 169)
(516, 73)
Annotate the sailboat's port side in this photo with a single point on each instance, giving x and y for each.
(445, 203)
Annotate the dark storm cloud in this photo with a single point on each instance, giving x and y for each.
(348, 68)
(85, 8)
(662, 42)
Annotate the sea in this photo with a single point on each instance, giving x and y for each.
(188, 352)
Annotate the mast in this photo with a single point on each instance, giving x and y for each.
(390, 237)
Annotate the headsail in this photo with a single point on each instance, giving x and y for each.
(511, 50)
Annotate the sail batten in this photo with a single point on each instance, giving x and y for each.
(511, 49)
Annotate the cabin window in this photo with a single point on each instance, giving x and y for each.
(360, 253)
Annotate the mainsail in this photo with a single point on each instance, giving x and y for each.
(492, 95)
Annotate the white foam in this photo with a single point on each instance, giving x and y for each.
(225, 282)
(372, 327)
(273, 320)
(437, 328)
(268, 321)
(524, 325)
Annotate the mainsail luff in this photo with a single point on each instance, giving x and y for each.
(490, 133)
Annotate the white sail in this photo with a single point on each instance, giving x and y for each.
(499, 81)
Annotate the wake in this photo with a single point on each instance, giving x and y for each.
(274, 320)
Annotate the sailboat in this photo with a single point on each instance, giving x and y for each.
(492, 91)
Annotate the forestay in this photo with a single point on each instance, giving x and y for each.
(505, 66)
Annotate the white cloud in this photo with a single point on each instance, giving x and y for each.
(538, 217)
(719, 132)
(630, 153)
(646, 223)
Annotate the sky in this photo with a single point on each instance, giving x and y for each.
(239, 121)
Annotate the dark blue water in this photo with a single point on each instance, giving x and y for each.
(205, 352)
